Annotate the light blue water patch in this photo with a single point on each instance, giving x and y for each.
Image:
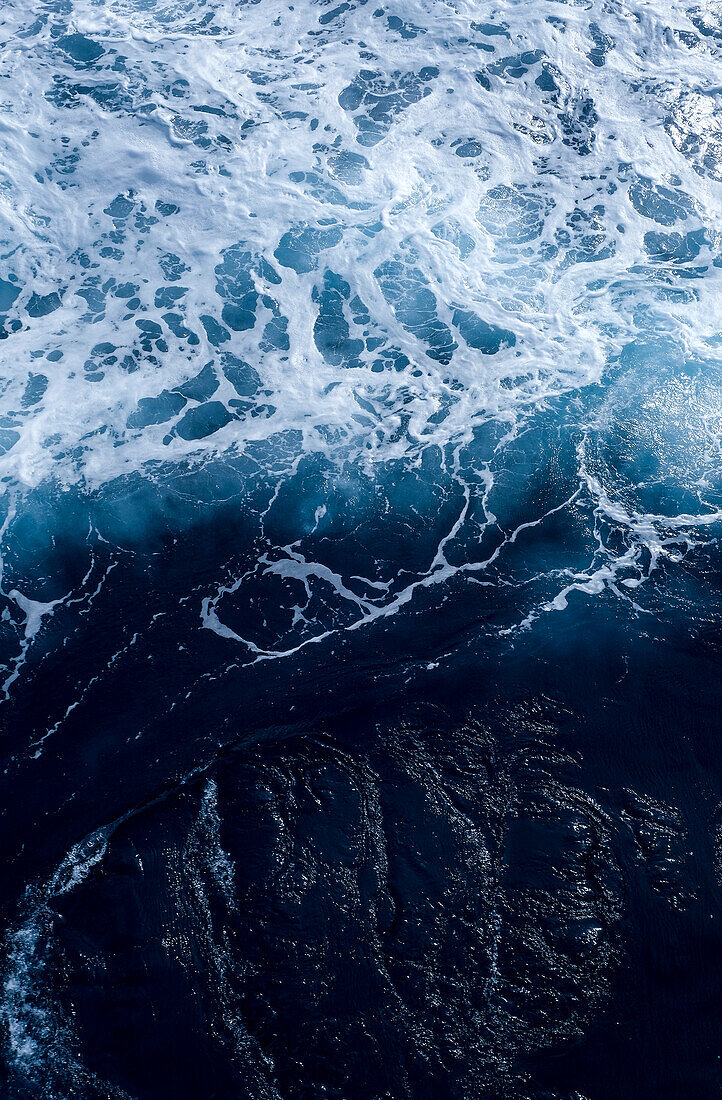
(203, 386)
(156, 410)
(40, 305)
(665, 205)
(217, 334)
(408, 293)
(482, 336)
(602, 45)
(80, 48)
(8, 294)
(35, 389)
(374, 100)
(331, 330)
(299, 248)
(242, 376)
(204, 420)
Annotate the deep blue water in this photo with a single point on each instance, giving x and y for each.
(360, 573)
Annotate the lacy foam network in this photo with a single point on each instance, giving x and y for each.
(371, 234)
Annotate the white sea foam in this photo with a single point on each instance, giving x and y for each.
(365, 233)
(377, 229)
(38, 1037)
(345, 129)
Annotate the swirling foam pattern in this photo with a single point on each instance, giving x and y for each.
(344, 349)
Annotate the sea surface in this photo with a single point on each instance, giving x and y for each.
(360, 565)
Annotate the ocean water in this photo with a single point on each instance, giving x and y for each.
(360, 575)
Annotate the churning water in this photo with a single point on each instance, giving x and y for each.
(360, 587)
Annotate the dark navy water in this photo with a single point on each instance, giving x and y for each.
(360, 574)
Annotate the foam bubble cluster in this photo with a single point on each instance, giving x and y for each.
(397, 244)
(225, 221)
